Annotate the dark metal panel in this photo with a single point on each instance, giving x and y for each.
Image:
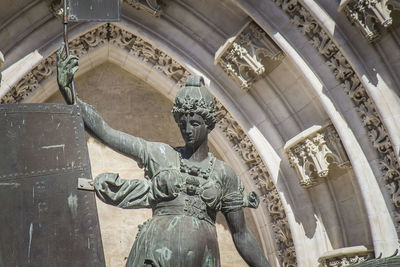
(94, 10)
(44, 219)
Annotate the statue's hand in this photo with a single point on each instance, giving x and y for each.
(66, 69)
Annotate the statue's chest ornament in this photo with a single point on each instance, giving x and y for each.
(194, 173)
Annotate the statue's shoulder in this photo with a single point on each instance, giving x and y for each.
(159, 148)
(224, 169)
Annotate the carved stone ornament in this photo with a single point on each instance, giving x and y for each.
(248, 55)
(137, 47)
(56, 8)
(345, 256)
(364, 105)
(314, 153)
(370, 16)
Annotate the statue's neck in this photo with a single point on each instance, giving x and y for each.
(196, 154)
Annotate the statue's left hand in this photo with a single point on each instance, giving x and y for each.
(66, 69)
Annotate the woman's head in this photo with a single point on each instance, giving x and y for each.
(194, 98)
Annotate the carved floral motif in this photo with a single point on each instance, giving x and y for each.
(111, 34)
(244, 59)
(370, 16)
(314, 156)
(334, 58)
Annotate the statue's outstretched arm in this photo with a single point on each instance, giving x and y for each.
(244, 241)
(122, 142)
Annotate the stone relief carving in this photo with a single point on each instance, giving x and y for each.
(345, 256)
(113, 35)
(342, 261)
(370, 16)
(248, 55)
(364, 105)
(56, 8)
(315, 156)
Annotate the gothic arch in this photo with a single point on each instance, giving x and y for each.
(326, 58)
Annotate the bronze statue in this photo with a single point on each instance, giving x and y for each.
(184, 186)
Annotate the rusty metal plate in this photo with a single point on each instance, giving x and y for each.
(94, 10)
(44, 219)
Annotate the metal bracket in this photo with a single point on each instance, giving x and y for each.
(85, 184)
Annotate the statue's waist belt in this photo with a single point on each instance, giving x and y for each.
(190, 206)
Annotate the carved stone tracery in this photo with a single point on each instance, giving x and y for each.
(111, 34)
(248, 55)
(350, 82)
(315, 156)
(370, 16)
(345, 256)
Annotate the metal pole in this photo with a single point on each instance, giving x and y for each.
(65, 22)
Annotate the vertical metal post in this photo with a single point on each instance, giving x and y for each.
(65, 22)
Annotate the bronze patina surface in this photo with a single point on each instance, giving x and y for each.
(45, 220)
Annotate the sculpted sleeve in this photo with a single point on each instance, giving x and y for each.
(127, 194)
(232, 199)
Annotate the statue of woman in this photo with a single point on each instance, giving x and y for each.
(184, 186)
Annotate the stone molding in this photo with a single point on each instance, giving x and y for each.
(315, 153)
(345, 256)
(389, 166)
(370, 16)
(111, 34)
(248, 55)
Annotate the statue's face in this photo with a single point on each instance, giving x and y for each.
(193, 129)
